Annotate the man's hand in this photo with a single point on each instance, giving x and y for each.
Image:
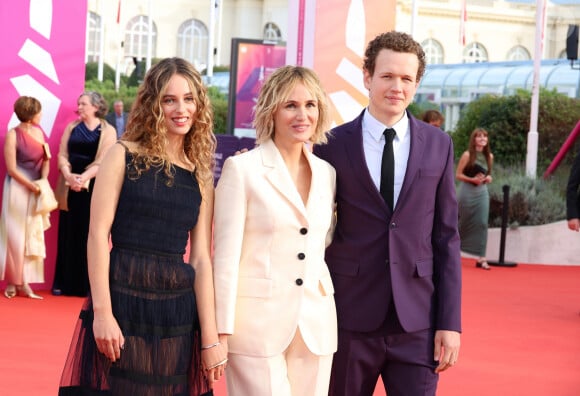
(446, 349)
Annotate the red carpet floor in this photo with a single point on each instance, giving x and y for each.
(521, 336)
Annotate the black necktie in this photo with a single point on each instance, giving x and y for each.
(388, 168)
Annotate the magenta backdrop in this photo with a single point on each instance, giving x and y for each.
(43, 52)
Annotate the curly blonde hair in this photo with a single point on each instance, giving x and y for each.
(276, 90)
(146, 122)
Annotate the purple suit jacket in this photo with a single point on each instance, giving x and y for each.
(419, 238)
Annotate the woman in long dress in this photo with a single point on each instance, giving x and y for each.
(27, 161)
(474, 172)
(148, 327)
(83, 146)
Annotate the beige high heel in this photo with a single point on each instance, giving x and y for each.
(26, 291)
(10, 291)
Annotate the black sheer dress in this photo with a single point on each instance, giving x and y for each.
(152, 296)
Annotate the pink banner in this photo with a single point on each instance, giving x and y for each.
(43, 50)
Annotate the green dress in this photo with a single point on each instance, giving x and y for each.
(474, 211)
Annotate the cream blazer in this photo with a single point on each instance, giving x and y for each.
(269, 269)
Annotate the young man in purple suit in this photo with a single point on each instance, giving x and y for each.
(395, 258)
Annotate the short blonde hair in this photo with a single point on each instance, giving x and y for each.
(276, 90)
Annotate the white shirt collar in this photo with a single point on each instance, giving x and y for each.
(376, 128)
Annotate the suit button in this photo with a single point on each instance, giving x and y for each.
(393, 225)
(304, 231)
(299, 282)
(301, 256)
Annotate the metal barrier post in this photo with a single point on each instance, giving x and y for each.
(504, 219)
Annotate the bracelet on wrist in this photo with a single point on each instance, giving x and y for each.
(210, 345)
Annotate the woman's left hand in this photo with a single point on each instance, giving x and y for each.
(214, 360)
(36, 188)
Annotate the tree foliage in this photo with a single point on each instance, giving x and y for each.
(507, 120)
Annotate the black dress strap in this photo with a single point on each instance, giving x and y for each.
(124, 145)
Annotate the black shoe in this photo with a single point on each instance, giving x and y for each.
(56, 292)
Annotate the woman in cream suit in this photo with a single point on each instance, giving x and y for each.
(273, 218)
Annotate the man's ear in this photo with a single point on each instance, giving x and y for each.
(367, 77)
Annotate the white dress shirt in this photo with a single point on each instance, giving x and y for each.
(374, 143)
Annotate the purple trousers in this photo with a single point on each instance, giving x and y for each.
(404, 361)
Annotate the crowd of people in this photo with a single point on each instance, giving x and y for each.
(315, 267)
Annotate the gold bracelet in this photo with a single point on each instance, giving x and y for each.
(211, 345)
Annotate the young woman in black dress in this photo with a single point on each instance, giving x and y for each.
(149, 327)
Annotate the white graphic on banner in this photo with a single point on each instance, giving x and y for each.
(41, 16)
(355, 33)
(39, 58)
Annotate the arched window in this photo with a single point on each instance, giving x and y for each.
(433, 51)
(272, 32)
(474, 53)
(192, 42)
(518, 53)
(93, 37)
(136, 37)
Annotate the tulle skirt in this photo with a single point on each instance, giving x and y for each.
(154, 303)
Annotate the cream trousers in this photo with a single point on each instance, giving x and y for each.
(295, 372)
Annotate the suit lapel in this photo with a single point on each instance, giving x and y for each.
(279, 177)
(358, 161)
(318, 182)
(415, 156)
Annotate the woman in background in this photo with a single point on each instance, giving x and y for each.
(273, 220)
(82, 148)
(474, 172)
(27, 160)
(433, 117)
(149, 326)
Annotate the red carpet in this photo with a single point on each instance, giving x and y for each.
(521, 336)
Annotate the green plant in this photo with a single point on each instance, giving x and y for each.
(531, 201)
(507, 120)
(107, 89)
(92, 72)
(219, 103)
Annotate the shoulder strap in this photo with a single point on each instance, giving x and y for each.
(124, 145)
